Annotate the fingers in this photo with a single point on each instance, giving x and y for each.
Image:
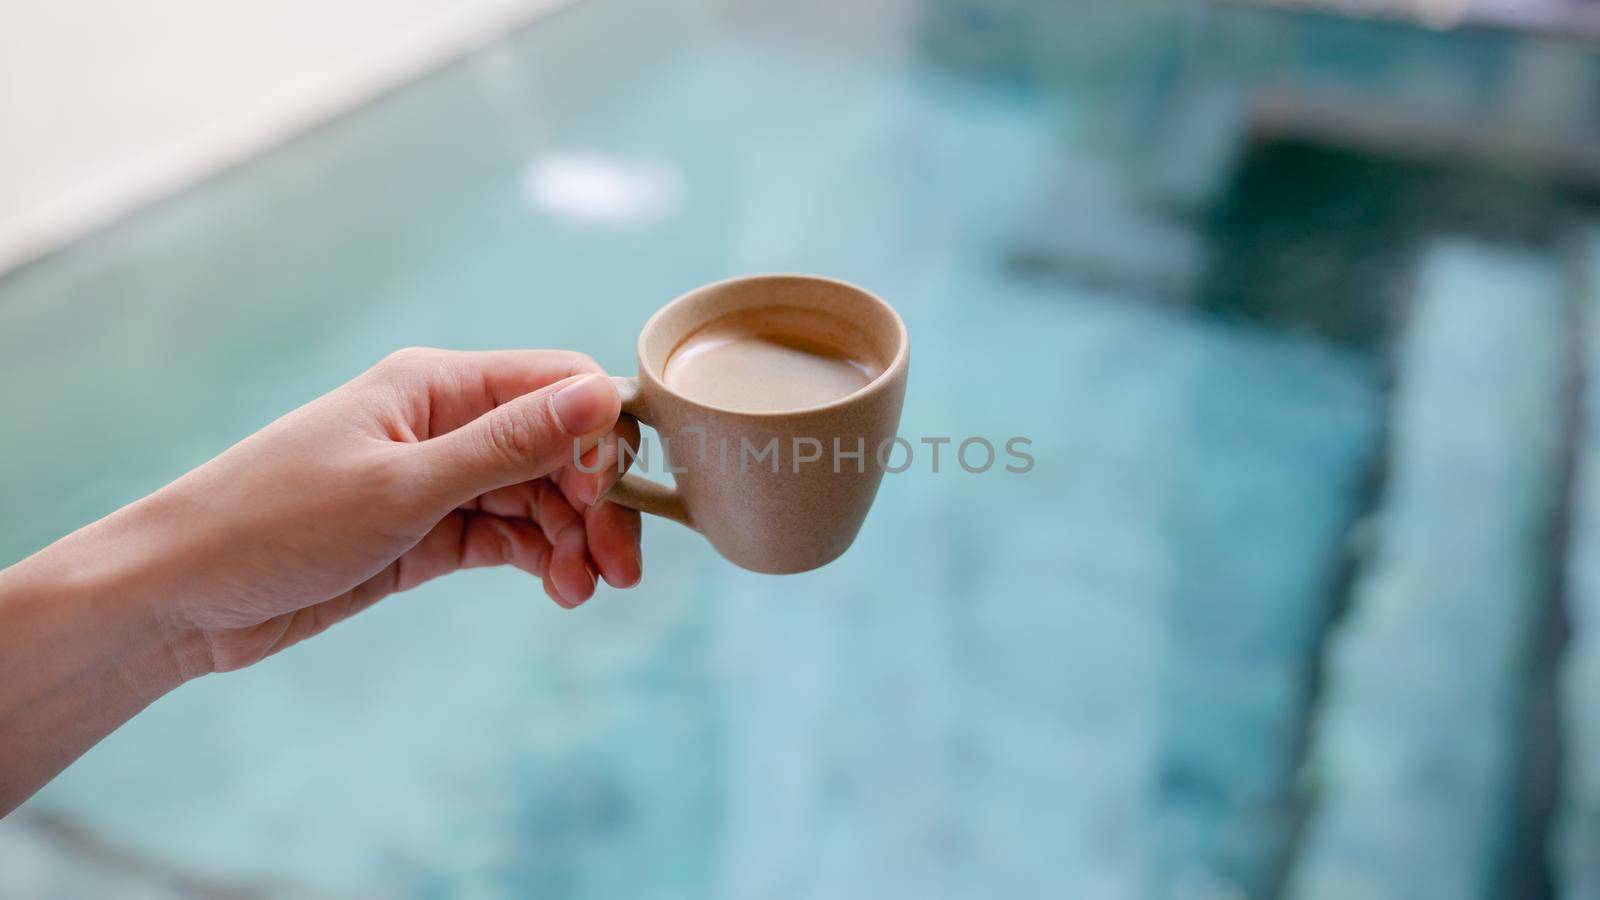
(490, 540)
(603, 538)
(469, 539)
(455, 387)
(485, 430)
(562, 525)
(526, 437)
(497, 541)
(612, 530)
(597, 470)
(613, 533)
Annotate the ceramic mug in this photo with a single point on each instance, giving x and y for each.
(792, 513)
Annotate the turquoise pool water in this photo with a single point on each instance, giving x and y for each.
(1099, 679)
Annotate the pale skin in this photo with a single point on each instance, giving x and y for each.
(429, 462)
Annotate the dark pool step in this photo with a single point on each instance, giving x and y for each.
(1415, 754)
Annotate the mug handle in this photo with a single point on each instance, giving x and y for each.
(636, 491)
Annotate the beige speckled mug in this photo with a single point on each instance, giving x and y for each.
(776, 398)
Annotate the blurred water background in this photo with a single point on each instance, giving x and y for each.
(1301, 599)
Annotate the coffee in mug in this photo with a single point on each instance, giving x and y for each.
(774, 396)
(772, 360)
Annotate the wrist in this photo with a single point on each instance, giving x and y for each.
(113, 586)
(84, 645)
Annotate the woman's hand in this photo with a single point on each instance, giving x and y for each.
(429, 462)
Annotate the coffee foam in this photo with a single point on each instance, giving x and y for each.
(774, 359)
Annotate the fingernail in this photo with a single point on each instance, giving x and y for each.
(578, 587)
(586, 405)
(588, 489)
(588, 591)
(588, 492)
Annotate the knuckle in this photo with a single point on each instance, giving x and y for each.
(408, 358)
(519, 432)
(502, 546)
(410, 367)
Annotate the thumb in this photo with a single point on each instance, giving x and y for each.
(525, 438)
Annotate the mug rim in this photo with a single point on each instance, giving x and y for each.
(902, 351)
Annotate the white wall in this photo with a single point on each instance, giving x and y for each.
(108, 104)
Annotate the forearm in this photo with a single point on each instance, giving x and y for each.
(85, 643)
